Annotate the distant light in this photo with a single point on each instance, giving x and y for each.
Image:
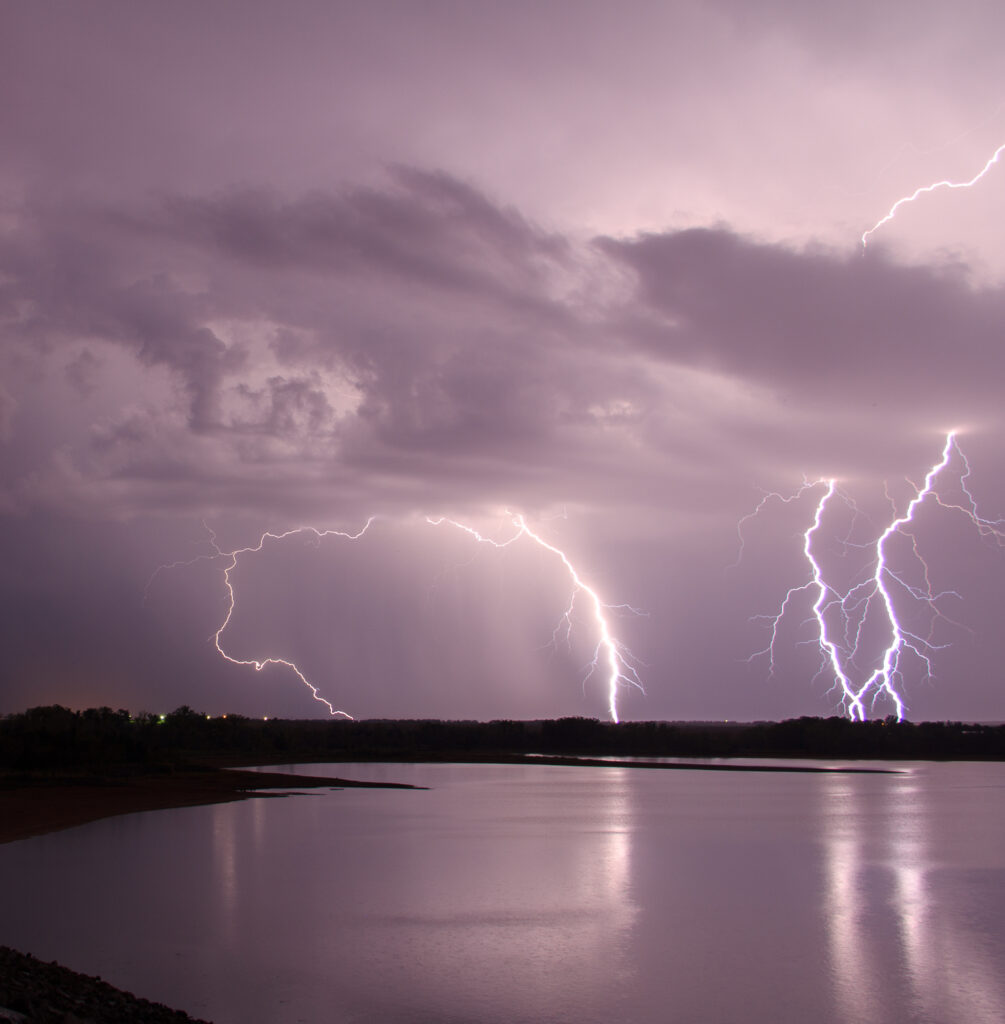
(161, 718)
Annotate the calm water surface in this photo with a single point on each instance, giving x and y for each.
(543, 894)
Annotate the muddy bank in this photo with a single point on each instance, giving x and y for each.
(31, 806)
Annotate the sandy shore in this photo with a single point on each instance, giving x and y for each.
(33, 807)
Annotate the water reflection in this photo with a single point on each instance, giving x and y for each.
(884, 842)
(512, 891)
(534, 895)
(225, 885)
(527, 908)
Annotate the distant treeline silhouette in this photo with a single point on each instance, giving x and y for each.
(55, 738)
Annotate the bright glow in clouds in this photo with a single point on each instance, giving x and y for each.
(610, 655)
(842, 616)
(925, 189)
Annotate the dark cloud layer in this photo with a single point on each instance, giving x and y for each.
(424, 332)
(814, 321)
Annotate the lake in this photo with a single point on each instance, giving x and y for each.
(540, 894)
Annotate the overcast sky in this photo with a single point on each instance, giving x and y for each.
(266, 266)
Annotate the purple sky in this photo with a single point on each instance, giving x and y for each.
(264, 266)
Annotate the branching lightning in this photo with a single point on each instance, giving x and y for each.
(934, 187)
(231, 558)
(839, 616)
(609, 651)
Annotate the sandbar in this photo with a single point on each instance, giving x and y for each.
(36, 805)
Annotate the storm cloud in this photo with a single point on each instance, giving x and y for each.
(258, 272)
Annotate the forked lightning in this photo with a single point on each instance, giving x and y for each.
(609, 652)
(839, 616)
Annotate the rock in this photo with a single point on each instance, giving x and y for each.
(34, 992)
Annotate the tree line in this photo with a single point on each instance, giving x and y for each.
(55, 738)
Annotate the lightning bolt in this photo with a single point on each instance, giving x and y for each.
(617, 660)
(840, 644)
(231, 564)
(816, 580)
(934, 187)
(610, 652)
(230, 559)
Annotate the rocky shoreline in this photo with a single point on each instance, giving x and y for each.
(35, 992)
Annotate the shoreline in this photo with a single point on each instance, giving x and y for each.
(38, 805)
(33, 991)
